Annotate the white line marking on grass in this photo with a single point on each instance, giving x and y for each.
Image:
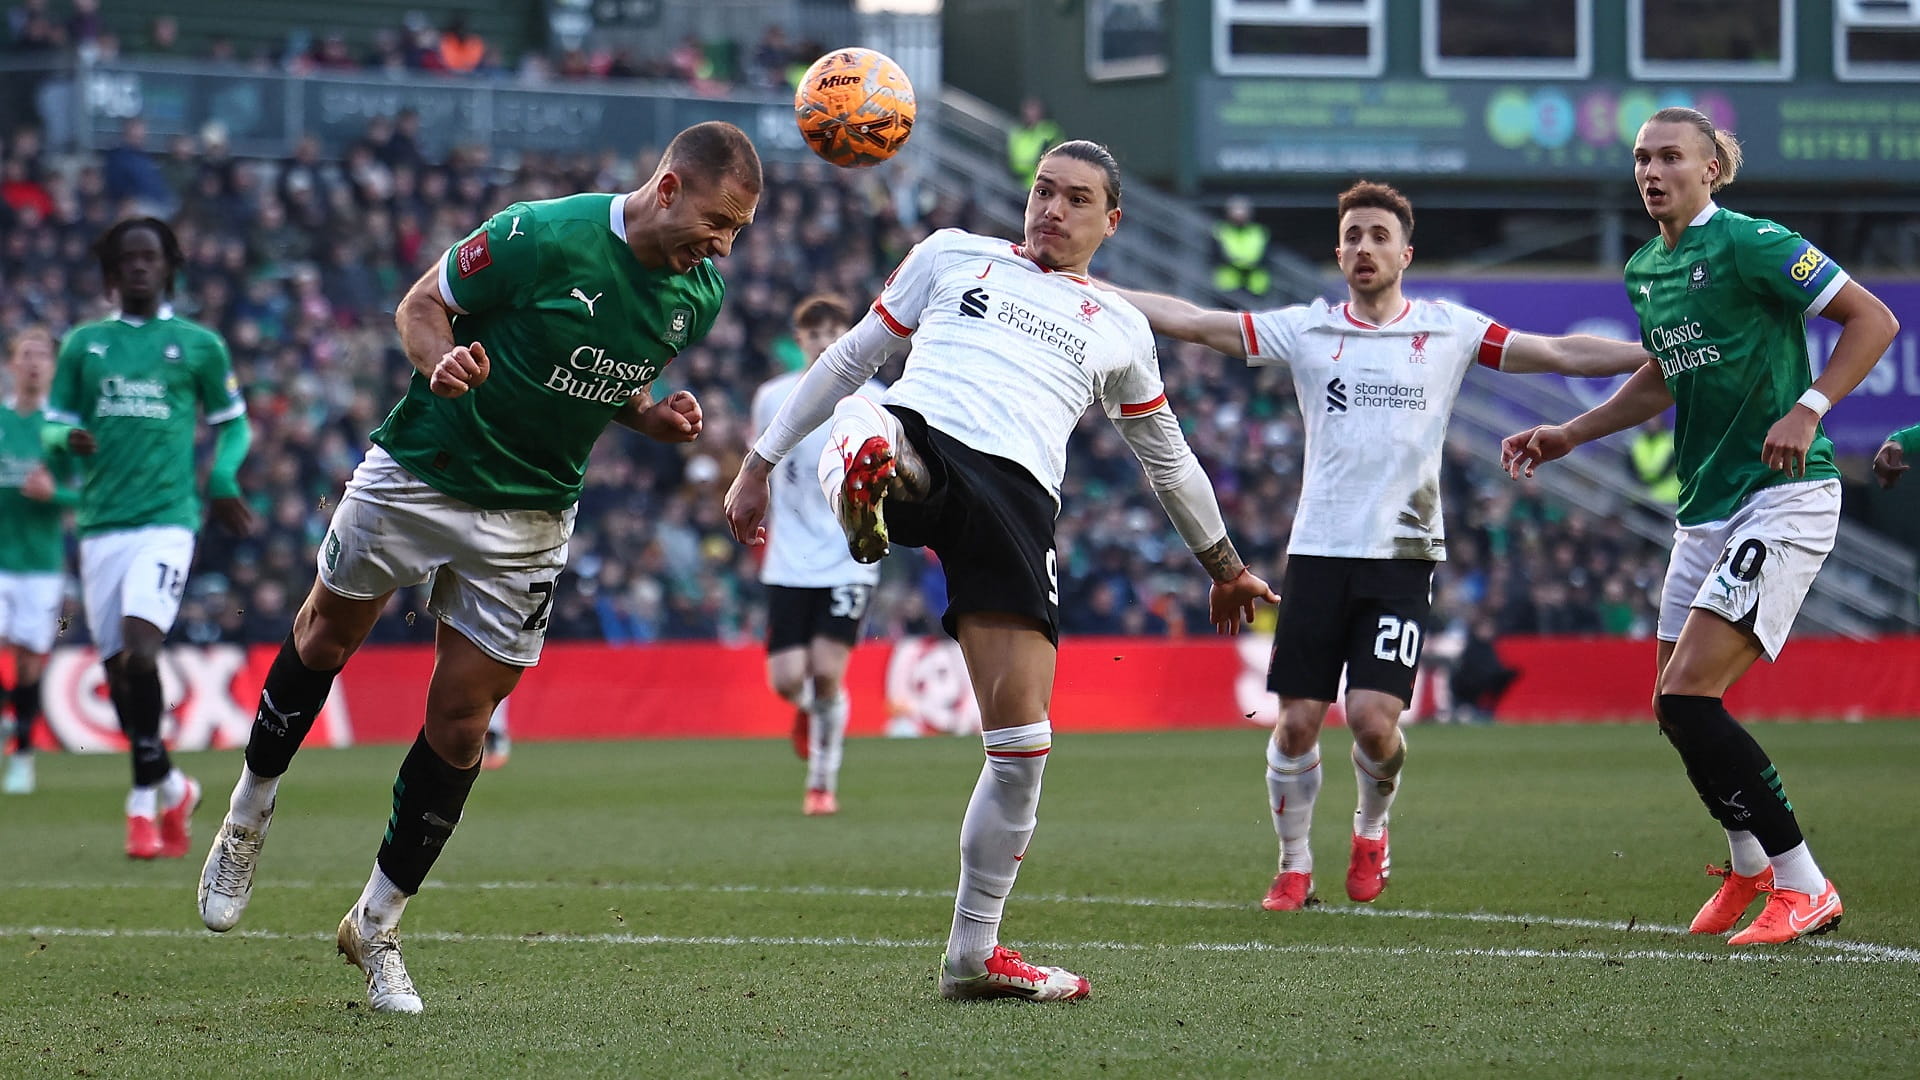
(929, 944)
(1886, 953)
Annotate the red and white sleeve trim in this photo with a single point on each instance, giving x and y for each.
(894, 326)
(1143, 408)
(1493, 345)
(1248, 337)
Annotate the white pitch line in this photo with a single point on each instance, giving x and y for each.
(1887, 953)
(1263, 947)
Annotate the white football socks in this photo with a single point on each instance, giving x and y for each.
(1379, 782)
(826, 737)
(1293, 783)
(1795, 869)
(1747, 856)
(993, 839)
(252, 798)
(381, 904)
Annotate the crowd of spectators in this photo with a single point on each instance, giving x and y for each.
(417, 45)
(298, 263)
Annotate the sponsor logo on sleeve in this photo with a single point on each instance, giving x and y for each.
(1804, 268)
(472, 257)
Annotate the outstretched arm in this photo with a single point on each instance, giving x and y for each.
(1579, 355)
(1187, 496)
(1639, 399)
(1177, 318)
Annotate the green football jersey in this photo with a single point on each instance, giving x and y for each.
(1725, 313)
(573, 325)
(30, 530)
(139, 385)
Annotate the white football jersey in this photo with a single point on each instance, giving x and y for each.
(1007, 354)
(1376, 400)
(805, 547)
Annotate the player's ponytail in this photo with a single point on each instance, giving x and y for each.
(1726, 147)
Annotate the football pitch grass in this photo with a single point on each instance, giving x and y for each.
(662, 909)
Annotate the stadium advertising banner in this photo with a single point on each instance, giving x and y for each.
(1551, 131)
(265, 112)
(1887, 400)
(918, 687)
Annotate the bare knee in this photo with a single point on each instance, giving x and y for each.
(1299, 727)
(457, 729)
(329, 628)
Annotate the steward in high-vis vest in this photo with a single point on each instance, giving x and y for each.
(1240, 245)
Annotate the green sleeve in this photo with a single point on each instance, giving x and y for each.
(214, 380)
(495, 265)
(1909, 440)
(64, 408)
(1784, 266)
(230, 443)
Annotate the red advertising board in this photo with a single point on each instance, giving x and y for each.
(918, 686)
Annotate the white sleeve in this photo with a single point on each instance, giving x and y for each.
(905, 295)
(1482, 337)
(1136, 390)
(839, 371)
(1175, 476)
(1270, 336)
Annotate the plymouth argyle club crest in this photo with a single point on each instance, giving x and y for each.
(678, 324)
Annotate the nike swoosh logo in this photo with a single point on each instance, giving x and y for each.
(982, 274)
(1814, 917)
(1342, 348)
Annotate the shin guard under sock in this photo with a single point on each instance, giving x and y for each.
(427, 799)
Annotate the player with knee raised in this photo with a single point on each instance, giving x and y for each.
(1723, 300)
(1376, 378)
(965, 455)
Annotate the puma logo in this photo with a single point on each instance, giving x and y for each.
(513, 228)
(280, 722)
(581, 296)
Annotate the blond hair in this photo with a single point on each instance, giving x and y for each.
(1726, 147)
(30, 332)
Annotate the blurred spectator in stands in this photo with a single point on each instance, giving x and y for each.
(772, 56)
(330, 53)
(1240, 251)
(461, 50)
(131, 172)
(31, 28)
(402, 145)
(1479, 678)
(163, 37)
(1652, 457)
(388, 54)
(84, 25)
(28, 198)
(1028, 141)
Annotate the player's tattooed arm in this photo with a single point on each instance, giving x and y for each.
(1223, 563)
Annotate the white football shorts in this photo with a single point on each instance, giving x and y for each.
(1754, 568)
(493, 571)
(133, 574)
(30, 609)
